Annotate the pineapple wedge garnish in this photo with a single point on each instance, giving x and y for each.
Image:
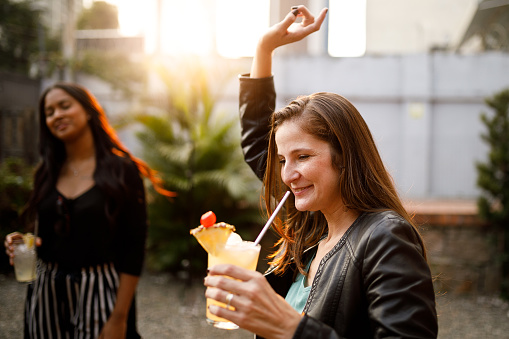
(213, 238)
(29, 240)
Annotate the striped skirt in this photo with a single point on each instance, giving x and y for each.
(72, 304)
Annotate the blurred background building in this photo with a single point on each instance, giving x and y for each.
(418, 71)
(420, 78)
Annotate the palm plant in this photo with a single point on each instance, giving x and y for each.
(197, 154)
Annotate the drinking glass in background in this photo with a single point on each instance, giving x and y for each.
(25, 258)
(237, 252)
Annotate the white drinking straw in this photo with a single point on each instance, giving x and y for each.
(269, 222)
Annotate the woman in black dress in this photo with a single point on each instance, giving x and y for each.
(89, 201)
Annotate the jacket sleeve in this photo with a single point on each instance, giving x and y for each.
(257, 98)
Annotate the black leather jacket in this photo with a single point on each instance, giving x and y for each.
(375, 282)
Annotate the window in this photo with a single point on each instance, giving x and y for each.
(347, 28)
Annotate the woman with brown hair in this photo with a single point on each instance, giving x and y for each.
(89, 203)
(350, 261)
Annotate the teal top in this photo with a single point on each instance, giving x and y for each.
(299, 292)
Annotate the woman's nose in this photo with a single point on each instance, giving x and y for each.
(289, 173)
(58, 112)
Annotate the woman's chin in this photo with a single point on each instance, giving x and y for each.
(303, 207)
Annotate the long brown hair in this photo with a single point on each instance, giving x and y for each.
(109, 152)
(364, 183)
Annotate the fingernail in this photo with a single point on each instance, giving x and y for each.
(213, 309)
(295, 7)
(295, 12)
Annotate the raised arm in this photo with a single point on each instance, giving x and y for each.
(283, 33)
(257, 95)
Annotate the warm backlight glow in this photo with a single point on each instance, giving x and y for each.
(239, 25)
(347, 28)
(136, 18)
(186, 27)
(195, 27)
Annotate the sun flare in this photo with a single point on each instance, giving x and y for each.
(195, 27)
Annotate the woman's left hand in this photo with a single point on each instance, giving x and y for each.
(115, 328)
(258, 308)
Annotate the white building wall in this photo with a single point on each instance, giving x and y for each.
(414, 26)
(423, 110)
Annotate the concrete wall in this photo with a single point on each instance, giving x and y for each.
(423, 110)
(463, 259)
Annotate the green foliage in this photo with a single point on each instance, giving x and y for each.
(15, 185)
(15, 188)
(197, 153)
(18, 35)
(493, 177)
(101, 15)
(113, 67)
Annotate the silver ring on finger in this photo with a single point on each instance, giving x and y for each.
(229, 299)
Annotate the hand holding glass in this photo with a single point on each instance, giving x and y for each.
(236, 252)
(241, 253)
(25, 258)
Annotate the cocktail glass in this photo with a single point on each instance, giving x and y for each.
(242, 253)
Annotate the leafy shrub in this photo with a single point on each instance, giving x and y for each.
(493, 178)
(15, 187)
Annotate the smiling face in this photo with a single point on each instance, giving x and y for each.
(66, 118)
(307, 168)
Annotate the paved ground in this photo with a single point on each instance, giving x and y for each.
(169, 309)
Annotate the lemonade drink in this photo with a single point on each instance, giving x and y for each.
(25, 259)
(240, 253)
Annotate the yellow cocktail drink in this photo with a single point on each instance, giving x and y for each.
(224, 246)
(243, 254)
